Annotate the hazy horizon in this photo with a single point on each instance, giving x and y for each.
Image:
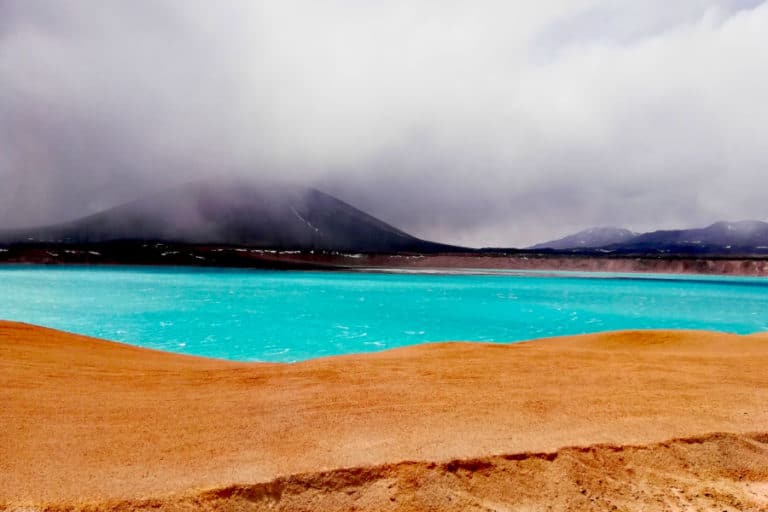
(505, 125)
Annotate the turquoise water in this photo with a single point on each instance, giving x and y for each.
(290, 316)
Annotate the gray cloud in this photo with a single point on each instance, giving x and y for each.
(500, 124)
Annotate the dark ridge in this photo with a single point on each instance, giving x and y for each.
(726, 239)
(589, 238)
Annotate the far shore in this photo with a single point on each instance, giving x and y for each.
(159, 254)
(659, 420)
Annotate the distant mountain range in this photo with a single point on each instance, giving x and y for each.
(745, 237)
(274, 216)
(589, 238)
(295, 218)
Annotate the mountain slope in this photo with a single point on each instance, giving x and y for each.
(274, 216)
(589, 238)
(725, 235)
(744, 237)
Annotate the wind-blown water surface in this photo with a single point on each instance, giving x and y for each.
(290, 316)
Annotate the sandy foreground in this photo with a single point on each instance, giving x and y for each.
(618, 421)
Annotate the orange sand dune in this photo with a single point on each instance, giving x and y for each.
(661, 420)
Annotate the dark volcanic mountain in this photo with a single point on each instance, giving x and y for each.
(726, 238)
(589, 238)
(275, 216)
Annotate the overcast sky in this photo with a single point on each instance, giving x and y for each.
(476, 122)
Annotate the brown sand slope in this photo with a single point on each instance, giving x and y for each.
(87, 421)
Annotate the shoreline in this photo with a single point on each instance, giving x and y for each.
(117, 427)
(411, 269)
(519, 260)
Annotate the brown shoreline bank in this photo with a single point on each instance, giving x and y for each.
(655, 419)
(240, 257)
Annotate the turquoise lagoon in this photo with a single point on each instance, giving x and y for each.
(258, 315)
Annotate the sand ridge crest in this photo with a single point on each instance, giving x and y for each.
(602, 477)
(32, 335)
